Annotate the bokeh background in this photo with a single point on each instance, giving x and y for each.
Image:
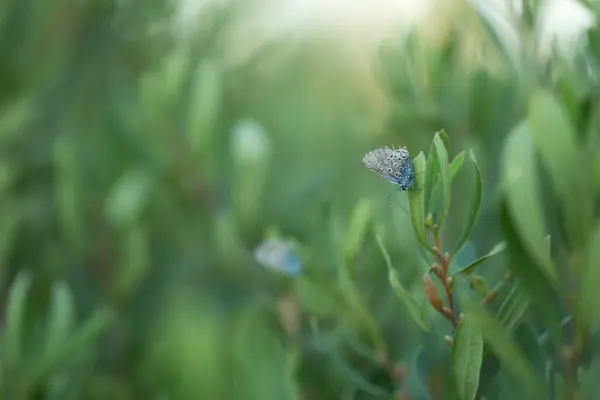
(181, 181)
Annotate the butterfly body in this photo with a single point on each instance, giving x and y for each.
(392, 165)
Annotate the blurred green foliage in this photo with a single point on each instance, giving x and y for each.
(174, 225)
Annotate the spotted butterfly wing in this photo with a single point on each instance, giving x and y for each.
(392, 165)
(380, 162)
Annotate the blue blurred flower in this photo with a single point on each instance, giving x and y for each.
(278, 255)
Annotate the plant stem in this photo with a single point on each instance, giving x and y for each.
(444, 266)
(448, 291)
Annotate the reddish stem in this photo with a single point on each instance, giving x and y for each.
(445, 265)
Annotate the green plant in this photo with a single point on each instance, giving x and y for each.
(428, 210)
(535, 328)
(476, 334)
(142, 167)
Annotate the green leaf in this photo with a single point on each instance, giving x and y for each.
(355, 377)
(475, 204)
(490, 370)
(416, 199)
(67, 189)
(15, 314)
(589, 303)
(355, 303)
(455, 167)
(547, 244)
(129, 197)
(358, 228)
(432, 176)
(62, 316)
(464, 256)
(11, 218)
(411, 304)
(71, 347)
(8, 175)
(499, 341)
(500, 31)
(512, 309)
(520, 186)
(316, 299)
(205, 98)
(556, 142)
(544, 299)
(159, 86)
(442, 134)
(15, 116)
(588, 379)
(469, 269)
(135, 261)
(260, 360)
(467, 357)
(559, 384)
(596, 170)
(442, 156)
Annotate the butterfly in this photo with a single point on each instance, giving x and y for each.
(278, 255)
(392, 165)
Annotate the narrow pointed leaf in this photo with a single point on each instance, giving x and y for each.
(455, 167)
(545, 301)
(444, 136)
(469, 269)
(431, 179)
(589, 303)
(502, 33)
(62, 316)
(467, 357)
(356, 305)
(521, 189)
(442, 156)
(475, 204)
(512, 309)
(416, 198)
(547, 243)
(355, 377)
(499, 341)
(358, 227)
(411, 304)
(83, 337)
(15, 313)
(556, 142)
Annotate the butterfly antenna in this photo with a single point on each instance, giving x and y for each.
(400, 204)
(390, 196)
